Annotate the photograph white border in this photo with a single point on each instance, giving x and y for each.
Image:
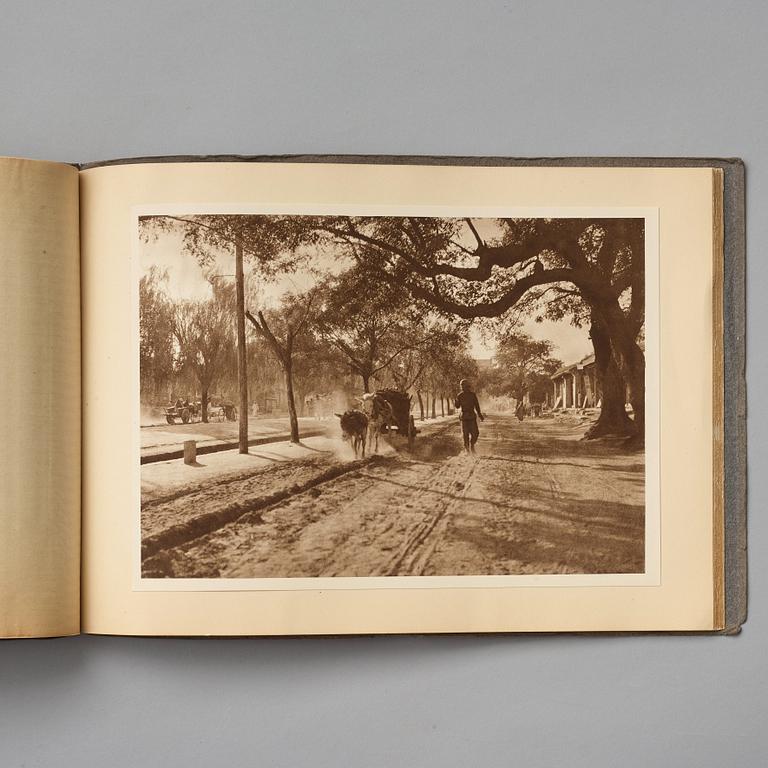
(652, 573)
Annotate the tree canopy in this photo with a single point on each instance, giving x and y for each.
(395, 295)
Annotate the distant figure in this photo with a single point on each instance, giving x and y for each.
(467, 402)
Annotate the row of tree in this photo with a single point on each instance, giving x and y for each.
(343, 335)
(415, 282)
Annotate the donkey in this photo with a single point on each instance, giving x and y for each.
(354, 426)
(379, 413)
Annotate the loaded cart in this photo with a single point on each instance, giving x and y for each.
(182, 411)
(229, 409)
(186, 412)
(400, 403)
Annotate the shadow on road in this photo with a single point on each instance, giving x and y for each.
(628, 468)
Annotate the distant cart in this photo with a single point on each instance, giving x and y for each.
(187, 413)
(183, 412)
(229, 410)
(223, 411)
(401, 403)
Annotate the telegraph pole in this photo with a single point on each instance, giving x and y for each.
(242, 373)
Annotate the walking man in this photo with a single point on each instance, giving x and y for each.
(467, 402)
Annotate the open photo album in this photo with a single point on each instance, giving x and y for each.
(370, 395)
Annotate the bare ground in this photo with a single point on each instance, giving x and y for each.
(536, 499)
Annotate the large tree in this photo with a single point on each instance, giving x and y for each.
(458, 270)
(156, 339)
(561, 302)
(283, 329)
(203, 330)
(523, 361)
(371, 322)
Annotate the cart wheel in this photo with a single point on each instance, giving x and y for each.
(411, 432)
(170, 419)
(185, 416)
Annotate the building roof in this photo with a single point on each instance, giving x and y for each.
(577, 366)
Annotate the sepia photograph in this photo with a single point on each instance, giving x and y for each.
(387, 396)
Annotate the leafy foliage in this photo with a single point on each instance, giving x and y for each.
(396, 306)
(204, 333)
(156, 339)
(374, 325)
(523, 365)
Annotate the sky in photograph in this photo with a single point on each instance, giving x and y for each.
(185, 280)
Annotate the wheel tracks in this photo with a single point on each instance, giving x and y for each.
(206, 523)
(414, 554)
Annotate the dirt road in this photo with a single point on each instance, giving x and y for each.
(535, 499)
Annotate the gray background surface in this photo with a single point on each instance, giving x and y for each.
(86, 81)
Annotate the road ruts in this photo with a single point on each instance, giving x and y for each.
(535, 499)
(412, 557)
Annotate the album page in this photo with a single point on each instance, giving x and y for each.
(367, 398)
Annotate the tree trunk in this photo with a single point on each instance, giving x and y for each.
(613, 419)
(434, 415)
(300, 396)
(288, 374)
(421, 404)
(442, 405)
(366, 382)
(204, 405)
(636, 379)
(631, 361)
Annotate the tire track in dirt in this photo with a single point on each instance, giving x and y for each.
(415, 552)
(199, 492)
(207, 523)
(533, 500)
(250, 501)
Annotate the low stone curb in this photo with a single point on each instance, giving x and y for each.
(178, 453)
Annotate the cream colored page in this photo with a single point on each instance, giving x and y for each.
(681, 598)
(40, 392)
